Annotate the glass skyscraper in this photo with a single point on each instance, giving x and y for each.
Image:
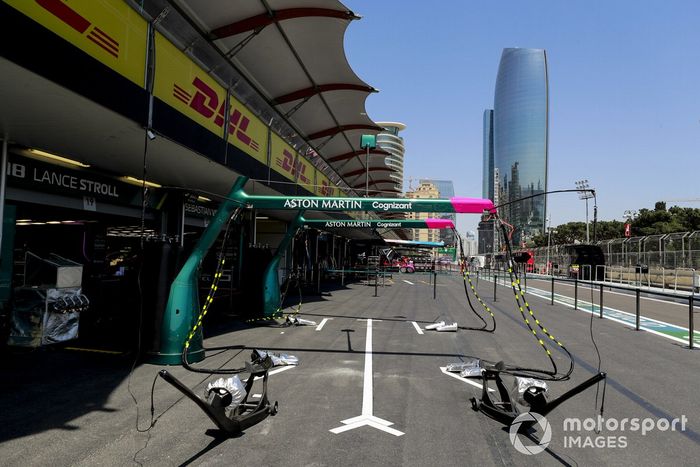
(520, 139)
(487, 188)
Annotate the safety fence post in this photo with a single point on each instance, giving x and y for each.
(525, 278)
(636, 313)
(434, 284)
(552, 303)
(601, 301)
(495, 280)
(575, 293)
(691, 328)
(376, 281)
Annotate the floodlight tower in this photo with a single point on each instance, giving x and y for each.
(586, 194)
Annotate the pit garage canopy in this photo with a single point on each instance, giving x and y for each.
(292, 52)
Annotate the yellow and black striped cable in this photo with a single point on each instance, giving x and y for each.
(524, 306)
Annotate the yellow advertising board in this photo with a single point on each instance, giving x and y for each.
(180, 83)
(286, 161)
(108, 30)
(307, 173)
(281, 157)
(247, 132)
(183, 85)
(324, 187)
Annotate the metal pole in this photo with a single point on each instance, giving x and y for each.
(376, 281)
(3, 179)
(434, 285)
(575, 294)
(552, 291)
(691, 326)
(495, 280)
(636, 313)
(601, 301)
(588, 237)
(595, 217)
(367, 173)
(342, 264)
(549, 242)
(525, 276)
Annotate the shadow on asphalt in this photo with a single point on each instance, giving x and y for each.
(49, 388)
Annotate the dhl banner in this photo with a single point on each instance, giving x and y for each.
(247, 132)
(108, 30)
(308, 171)
(324, 187)
(115, 34)
(186, 87)
(286, 161)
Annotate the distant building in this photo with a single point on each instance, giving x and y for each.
(426, 190)
(470, 244)
(486, 237)
(487, 179)
(519, 125)
(390, 141)
(445, 189)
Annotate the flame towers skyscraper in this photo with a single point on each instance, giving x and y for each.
(520, 139)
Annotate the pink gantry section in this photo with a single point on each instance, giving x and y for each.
(439, 223)
(471, 205)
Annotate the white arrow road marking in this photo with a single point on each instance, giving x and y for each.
(323, 323)
(464, 380)
(418, 329)
(408, 282)
(367, 419)
(274, 372)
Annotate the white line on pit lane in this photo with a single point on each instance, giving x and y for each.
(323, 323)
(418, 329)
(274, 372)
(408, 282)
(367, 418)
(464, 380)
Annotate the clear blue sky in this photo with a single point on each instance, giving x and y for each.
(624, 93)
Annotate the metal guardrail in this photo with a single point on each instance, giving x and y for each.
(493, 273)
(674, 279)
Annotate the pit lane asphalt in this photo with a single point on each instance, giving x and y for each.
(648, 377)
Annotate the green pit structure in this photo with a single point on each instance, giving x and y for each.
(182, 310)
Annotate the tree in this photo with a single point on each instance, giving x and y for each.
(647, 222)
(607, 230)
(662, 221)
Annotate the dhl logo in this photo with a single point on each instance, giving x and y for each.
(326, 188)
(206, 103)
(294, 167)
(78, 22)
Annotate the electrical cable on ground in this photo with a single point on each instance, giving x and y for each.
(221, 260)
(144, 192)
(467, 278)
(547, 375)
